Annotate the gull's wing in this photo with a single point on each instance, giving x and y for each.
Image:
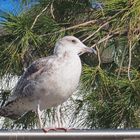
(17, 103)
(30, 75)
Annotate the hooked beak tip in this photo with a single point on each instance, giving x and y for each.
(90, 50)
(94, 51)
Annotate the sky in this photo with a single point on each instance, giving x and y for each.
(13, 6)
(10, 6)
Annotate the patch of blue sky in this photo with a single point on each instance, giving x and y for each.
(14, 6)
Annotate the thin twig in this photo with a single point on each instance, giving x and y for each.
(130, 59)
(73, 27)
(95, 32)
(102, 40)
(122, 60)
(99, 58)
(105, 38)
(52, 10)
(129, 63)
(39, 16)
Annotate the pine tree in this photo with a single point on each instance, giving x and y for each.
(109, 93)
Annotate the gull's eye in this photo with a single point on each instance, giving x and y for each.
(73, 41)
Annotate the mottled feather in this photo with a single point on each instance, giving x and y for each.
(24, 90)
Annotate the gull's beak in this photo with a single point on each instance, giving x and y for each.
(88, 50)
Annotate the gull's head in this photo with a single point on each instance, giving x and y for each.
(72, 45)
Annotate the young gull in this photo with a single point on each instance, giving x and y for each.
(49, 81)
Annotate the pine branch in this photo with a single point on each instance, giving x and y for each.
(39, 16)
(73, 27)
(95, 32)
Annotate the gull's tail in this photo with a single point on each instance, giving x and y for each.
(14, 109)
(6, 112)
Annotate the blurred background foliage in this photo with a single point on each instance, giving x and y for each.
(109, 92)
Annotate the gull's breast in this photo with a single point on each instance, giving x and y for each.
(57, 87)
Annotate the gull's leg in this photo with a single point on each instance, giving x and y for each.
(39, 113)
(59, 122)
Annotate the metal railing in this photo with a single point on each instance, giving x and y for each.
(71, 135)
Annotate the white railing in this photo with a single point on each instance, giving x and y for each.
(71, 135)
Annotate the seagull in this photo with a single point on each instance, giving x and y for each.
(48, 81)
